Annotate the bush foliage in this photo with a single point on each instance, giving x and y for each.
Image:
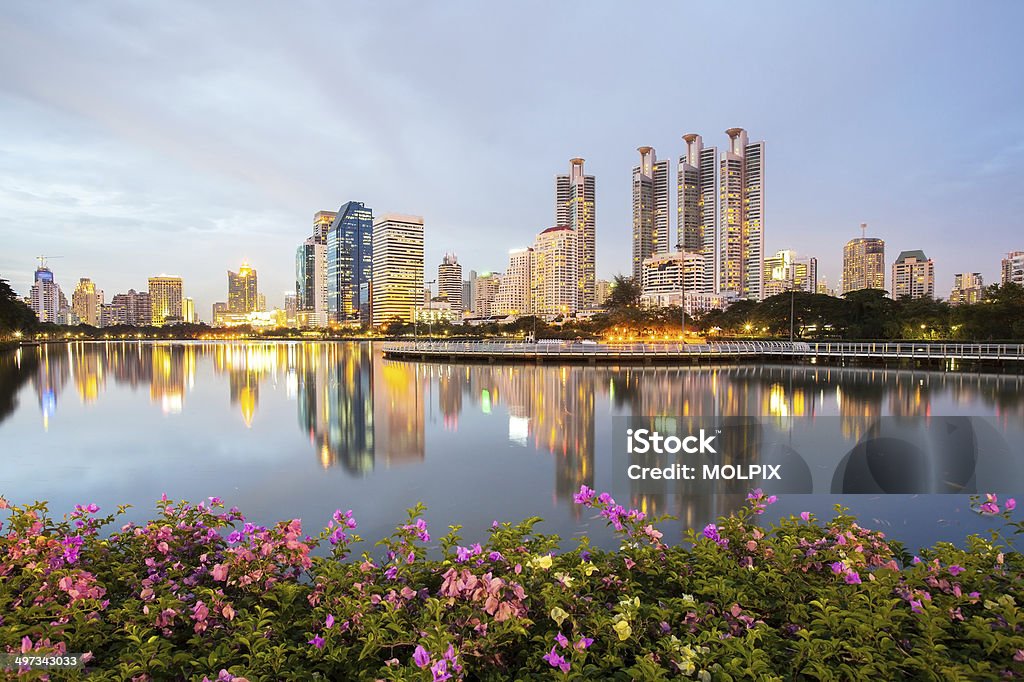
(200, 593)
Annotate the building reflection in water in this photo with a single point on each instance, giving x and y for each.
(359, 411)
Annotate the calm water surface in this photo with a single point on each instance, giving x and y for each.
(287, 430)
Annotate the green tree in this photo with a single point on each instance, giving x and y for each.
(14, 314)
(625, 293)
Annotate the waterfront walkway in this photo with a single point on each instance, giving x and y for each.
(946, 354)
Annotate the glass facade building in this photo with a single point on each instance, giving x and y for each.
(349, 263)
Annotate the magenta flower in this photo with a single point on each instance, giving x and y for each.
(915, 606)
(556, 661)
(837, 567)
(317, 641)
(1011, 504)
(583, 643)
(806, 516)
(852, 578)
(584, 496)
(421, 657)
(329, 623)
(440, 671)
(956, 570)
(562, 641)
(711, 533)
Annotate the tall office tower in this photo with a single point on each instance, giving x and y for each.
(397, 267)
(311, 281)
(485, 290)
(698, 204)
(46, 296)
(554, 271)
(913, 275)
(165, 299)
(575, 207)
(863, 263)
(741, 216)
(515, 293)
(449, 281)
(137, 307)
(350, 265)
(786, 271)
(1012, 268)
(322, 221)
(291, 308)
(467, 295)
(86, 301)
(188, 310)
(650, 209)
(968, 287)
(243, 296)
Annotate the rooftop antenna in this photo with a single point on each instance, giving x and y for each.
(863, 230)
(42, 260)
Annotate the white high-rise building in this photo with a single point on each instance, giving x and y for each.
(1012, 268)
(913, 275)
(697, 207)
(47, 300)
(515, 293)
(786, 271)
(555, 271)
(741, 217)
(449, 281)
(575, 207)
(397, 268)
(968, 288)
(651, 216)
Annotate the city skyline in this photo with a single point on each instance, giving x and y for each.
(114, 150)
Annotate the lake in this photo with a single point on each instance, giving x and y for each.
(299, 429)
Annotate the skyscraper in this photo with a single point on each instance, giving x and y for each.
(515, 293)
(137, 307)
(86, 301)
(165, 299)
(311, 281)
(1012, 268)
(575, 207)
(968, 287)
(698, 204)
(485, 289)
(350, 264)
(863, 263)
(554, 271)
(650, 209)
(741, 217)
(913, 275)
(243, 293)
(47, 300)
(449, 281)
(786, 271)
(397, 267)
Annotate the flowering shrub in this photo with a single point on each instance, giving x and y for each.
(199, 593)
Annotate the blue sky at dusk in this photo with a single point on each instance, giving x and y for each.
(141, 138)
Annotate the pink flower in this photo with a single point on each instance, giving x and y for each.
(220, 572)
(806, 516)
(956, 570)
(915, 606)
(1011, 504)
(420, 657)
(852, 578)
(562, 641)
(329, 623)
(583, 643)
(317, 641)
(556, 661)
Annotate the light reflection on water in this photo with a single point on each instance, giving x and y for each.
(297, 429)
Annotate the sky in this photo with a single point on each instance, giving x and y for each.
(139, 139)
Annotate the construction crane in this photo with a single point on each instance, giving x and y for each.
(42, 260)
